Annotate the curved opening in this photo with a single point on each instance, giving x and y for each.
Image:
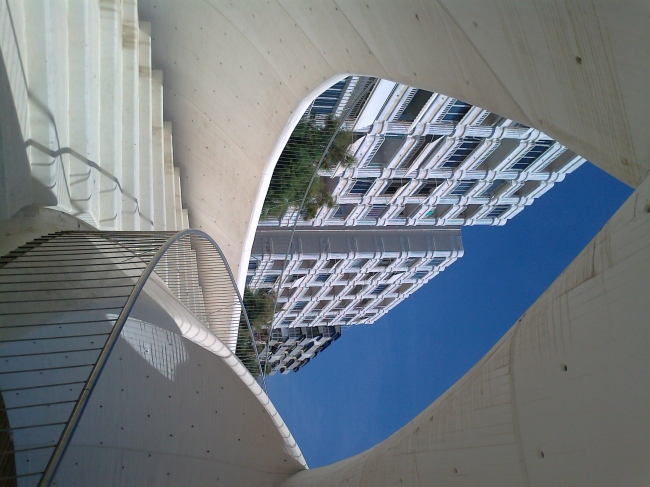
(511, 166)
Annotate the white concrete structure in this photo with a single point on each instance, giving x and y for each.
(90, 111)
(561, 399)
(426, 159)
(341, 276)
(238, 76)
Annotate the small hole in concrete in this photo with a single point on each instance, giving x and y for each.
(455, 470)
(541, 453)
(564, 367)
(647, 208)
(578, 60)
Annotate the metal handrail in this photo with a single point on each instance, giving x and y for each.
(144, 253)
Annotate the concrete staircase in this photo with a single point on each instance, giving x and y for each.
(89, 108)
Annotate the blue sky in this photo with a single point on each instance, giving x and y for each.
(376, 378)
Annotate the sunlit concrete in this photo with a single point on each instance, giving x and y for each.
(561, 399)
(236, 78)
(173, 406)
(239, 74)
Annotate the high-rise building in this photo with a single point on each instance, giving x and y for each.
(423, 161)
(340, 276)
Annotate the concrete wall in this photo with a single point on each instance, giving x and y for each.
(238, 75)
(173, 406)
(561, 399)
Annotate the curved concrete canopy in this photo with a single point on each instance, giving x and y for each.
(239, 74)
(173, 406)
(562, 399)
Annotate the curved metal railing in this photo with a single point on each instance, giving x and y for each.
(64, 300)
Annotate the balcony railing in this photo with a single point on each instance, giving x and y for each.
(64, 300)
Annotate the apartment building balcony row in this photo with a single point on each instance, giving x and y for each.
(348, 275)
(424, 158)
(290, 349)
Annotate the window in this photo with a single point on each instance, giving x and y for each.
(252, 265)
(436, 261)
(410, 262)
(299, 305)
(294, 277)
(462, 188)
(415, 106)
(493, 188)
(361, 186)
(420, 275)
(376, 211)
(286, 322)
(386, 152)
(270, 279)
(307, 264)
(497, 211)
(331, 264)
(322, 277)
(379, 289)
(385, 262)
(342, 211)
(457, 111)
(358, 263)
(392, 188)
(538, 149)
(427, 188)
(461, 152)
(326, 102)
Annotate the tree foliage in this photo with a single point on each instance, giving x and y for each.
(260, 306)
(297, 164)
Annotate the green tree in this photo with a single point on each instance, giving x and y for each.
(297, 164)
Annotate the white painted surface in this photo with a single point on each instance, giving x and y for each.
(173, 407)
(237, 73)
(518, 417)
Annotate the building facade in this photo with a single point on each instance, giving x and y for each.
(426, 159)
(425, 165)
(343, 276)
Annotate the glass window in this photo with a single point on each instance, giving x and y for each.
(427, 188)
(410, 262)
(420, 275)
(436, 261)
(342, 211)
(270, 279)
(392, 188)
(300, 305)
(493, 188)
(385, 262)
(534, 153)
(462, 188)
(461, 152)
(358, 263)
(415, 106)
(457, 111)
(376, 211)
(326, 102)
(379, 289)
(361, 186)
(322, 277)
(497, 211)
(252, 265)
(387, 151)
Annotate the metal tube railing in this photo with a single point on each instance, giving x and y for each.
(37, 304)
